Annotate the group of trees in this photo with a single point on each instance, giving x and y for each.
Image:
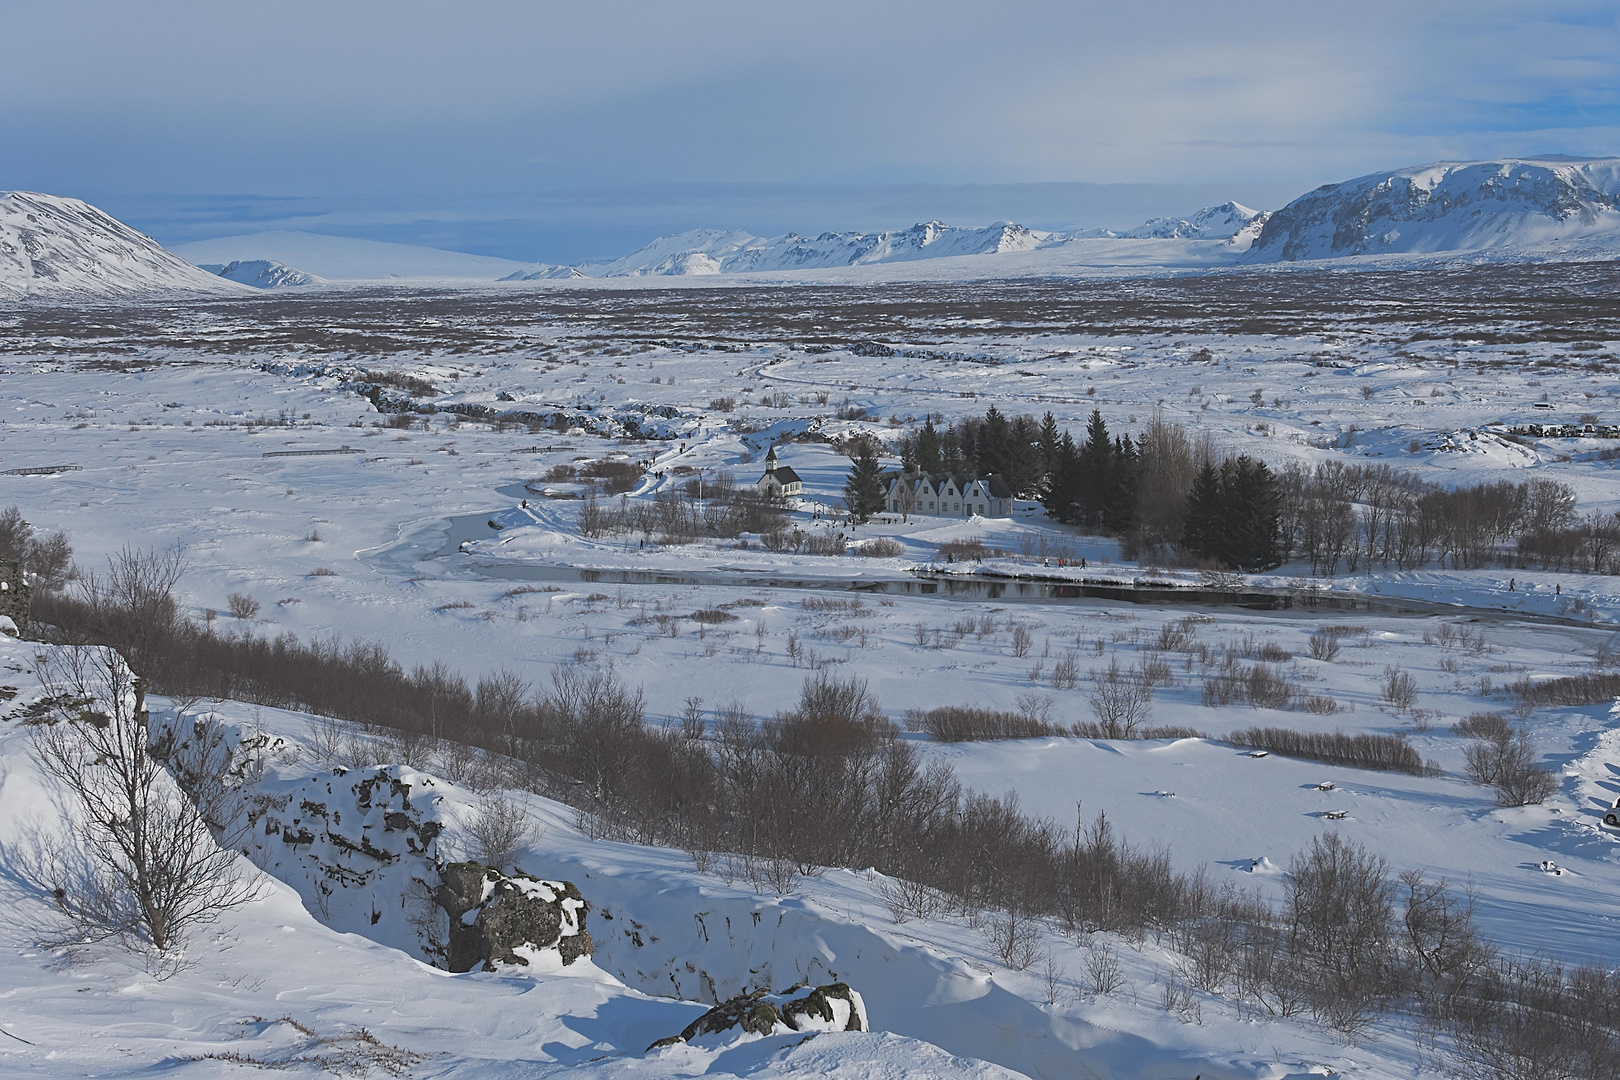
(1170, 494)
(46, 559)
(1164, 493)
(1354, 516)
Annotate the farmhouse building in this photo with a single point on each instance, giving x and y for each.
(779, 480)
(949, 495)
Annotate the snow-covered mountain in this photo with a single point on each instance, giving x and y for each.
(1501, 206)
(720, 251)
(52, 246)
(263, 274)
(1211, 223)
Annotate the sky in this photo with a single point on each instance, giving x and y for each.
(561, 131)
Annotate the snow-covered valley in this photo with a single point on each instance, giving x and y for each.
(410, 468)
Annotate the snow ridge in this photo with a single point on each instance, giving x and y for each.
(52, 246)
(1498, 206)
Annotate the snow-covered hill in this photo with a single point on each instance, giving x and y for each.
(1507, 206)
(342, 258)
(263, 274)
(52, 246)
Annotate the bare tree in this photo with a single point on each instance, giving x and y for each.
(498, 829)
(153, 869)
(1122, 700)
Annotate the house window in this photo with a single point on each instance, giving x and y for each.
(930, 504)
(981, 508)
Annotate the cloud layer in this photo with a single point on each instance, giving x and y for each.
(493, 100)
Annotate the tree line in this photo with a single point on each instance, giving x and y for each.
(1171, 495)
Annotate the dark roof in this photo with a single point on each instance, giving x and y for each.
(997, 486)
(785, 475)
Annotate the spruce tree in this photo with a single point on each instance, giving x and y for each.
(929, 458)
(1200, 528)
(995, 450)
(863, 490)
(1119, 506)
(1047, 441)
(1096, 480)
(1062, 494)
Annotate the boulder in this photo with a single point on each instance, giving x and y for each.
(834, 1007)
(498, 918)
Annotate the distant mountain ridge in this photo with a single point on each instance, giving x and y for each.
(719, 251)
(52, 246)
(1514, 208)
(1479, 206)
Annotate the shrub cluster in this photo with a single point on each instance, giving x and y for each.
(1387, 753)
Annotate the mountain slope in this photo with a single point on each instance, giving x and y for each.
(1507, 205)
(52, 246)
(342, 258)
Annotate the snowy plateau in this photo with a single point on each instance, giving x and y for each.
(470, 585)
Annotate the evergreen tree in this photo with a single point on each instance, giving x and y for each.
(1062, 495)
(1025, 462)
(864, 493)
(1047, 442)
(1200, 528)
(995, 451)
(1119, 504)
(929, 458)
(1253, 539)
(1096, 473)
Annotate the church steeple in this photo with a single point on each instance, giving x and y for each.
(770, 460)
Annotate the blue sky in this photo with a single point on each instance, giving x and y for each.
(546, 131)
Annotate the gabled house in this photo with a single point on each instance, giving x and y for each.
(779, 480)
(949, 495)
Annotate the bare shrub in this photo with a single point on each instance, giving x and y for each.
(1322, 705)
(1022, 639)
(1398, 690)
(1104, 973)
(1520, 779)
(153, 870)
(1388, 753)
(1324, 642)
(965, 723)
(1504, 758)
(884, 547)
(1340, 907)
(1066, 672)
(1598, 688)
(907, 899)
(242, 606)
(1122, 701)
(1014, 938)
(498, 829)
(1492, 726)
(1439, 934)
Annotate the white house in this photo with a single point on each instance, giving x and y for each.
(779, 481)
(949, 495)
